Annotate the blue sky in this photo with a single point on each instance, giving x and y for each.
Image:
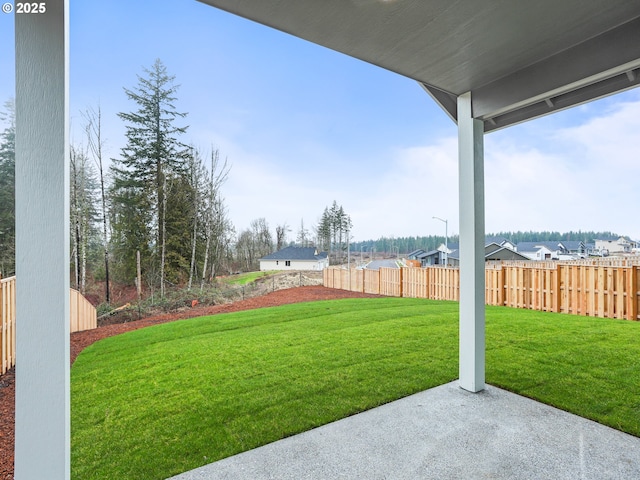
(303, 126)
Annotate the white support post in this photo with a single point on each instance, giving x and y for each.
(472, 316)
(42, 439)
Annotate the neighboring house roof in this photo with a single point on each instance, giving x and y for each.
(497, 240)
(492, 247)
(573, 245)
(296, 253)
(535, 246)
(562, 246)
(415, 253)
(427, 254)
(504, 253)
(377, 264)
(492, 253)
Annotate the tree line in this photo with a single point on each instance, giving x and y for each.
(404, 245)
(157, 207)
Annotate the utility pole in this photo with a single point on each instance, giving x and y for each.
(446, 239)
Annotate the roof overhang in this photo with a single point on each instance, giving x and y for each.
(520, 60)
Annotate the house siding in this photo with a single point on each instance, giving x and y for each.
(316, 265)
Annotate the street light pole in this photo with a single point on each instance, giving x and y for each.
(446, 239)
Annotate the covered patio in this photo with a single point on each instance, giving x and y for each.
(488, 67)
(443, 433)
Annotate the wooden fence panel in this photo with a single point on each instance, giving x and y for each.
(609, 289)
(7, 323)
(344, 279)
(635, 294)
(82, 316)
(357, 280)
(391, 282)
(494, 286)
(415, 282)
(444, 283)
(372, 281)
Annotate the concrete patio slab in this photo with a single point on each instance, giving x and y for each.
(443, 433)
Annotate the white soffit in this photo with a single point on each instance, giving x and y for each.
(520, 59)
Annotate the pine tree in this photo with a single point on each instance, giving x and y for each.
(334, 230)
(152, 161)
(7, 190)
(323, 232)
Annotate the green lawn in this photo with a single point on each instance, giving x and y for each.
(245, 278)
(158, 401)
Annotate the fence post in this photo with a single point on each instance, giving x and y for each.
(500, 286)
(2, 330)
(557, 303)
(633, 295)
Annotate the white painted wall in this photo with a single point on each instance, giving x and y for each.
(613, 246)
(316, 265)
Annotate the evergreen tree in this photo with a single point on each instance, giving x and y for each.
(333, 231)
(152, 161)
(7, 191)
(323, 232)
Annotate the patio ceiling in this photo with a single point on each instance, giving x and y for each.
(519, 59)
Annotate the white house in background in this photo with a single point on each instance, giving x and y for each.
(295, 258)
(554, 250)
(615, 245)
(539, 250)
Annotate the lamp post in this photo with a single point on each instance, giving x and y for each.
(446, 239)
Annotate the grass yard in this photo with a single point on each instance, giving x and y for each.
(246, 278)
(158, 401)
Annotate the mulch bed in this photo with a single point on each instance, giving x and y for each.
(80, 340)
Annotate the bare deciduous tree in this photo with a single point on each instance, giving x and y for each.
(93, 129)
(281, 235)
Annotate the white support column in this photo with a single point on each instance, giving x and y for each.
(42, 440)
(472, 318)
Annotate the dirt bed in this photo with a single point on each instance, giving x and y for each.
(80, 340)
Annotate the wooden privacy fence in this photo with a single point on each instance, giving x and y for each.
(581, 288)
(82, 315)
(7, 323)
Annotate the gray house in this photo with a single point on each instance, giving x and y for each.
(492, 252)
(295, 258)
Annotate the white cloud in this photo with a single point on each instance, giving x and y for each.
(585, 179)
(576, 178)
(421, 182)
